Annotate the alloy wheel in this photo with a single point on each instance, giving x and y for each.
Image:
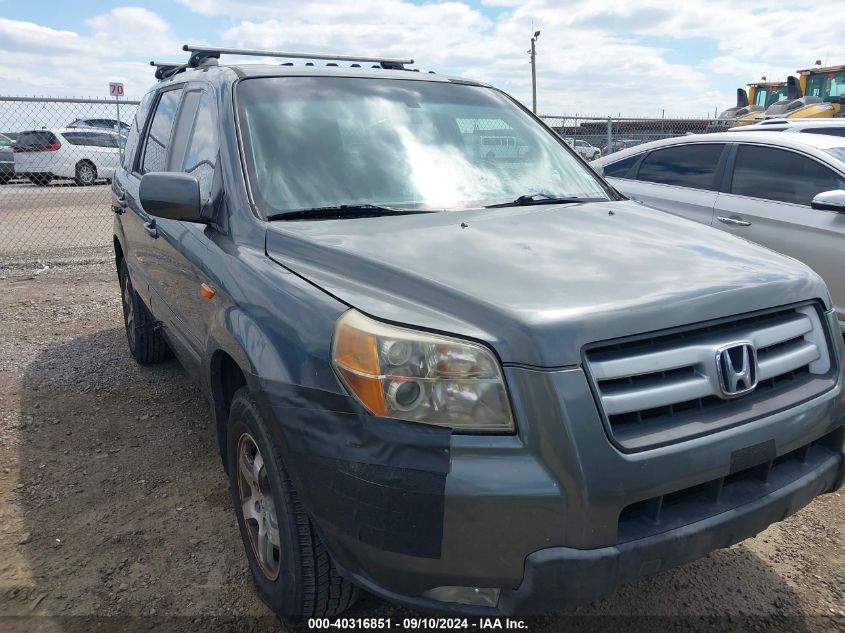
(258, 507)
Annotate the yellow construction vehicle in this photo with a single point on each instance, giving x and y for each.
(751, 105)
(822, 95)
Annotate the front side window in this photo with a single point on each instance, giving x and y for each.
(158, 139)
(201, 155)
(620, 168)
(693, 165)
(328, 141)
(778, 174)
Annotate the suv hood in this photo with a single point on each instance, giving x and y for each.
(537, 283)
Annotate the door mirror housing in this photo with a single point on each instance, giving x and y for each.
(171, 195)
(830, 201)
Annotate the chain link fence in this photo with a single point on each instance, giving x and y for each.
(593, 137)
(57, 157)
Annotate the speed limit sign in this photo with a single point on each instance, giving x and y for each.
(115, 89)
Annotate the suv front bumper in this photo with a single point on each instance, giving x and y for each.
(559, 577)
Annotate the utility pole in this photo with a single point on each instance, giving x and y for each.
(533, 53)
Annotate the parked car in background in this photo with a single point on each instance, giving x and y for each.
(102, 124)
(833, 127)
(7, 160)
(81, 154)
(501, 147)
(619, 145)
(473, 386)
(583, 148)
(785, 191)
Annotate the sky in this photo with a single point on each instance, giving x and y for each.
(594, 57)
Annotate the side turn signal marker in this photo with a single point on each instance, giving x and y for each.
(206, 291)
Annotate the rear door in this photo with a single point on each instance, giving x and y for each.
(149, 155)
(106, 150)
(767, 200)
(680, 179)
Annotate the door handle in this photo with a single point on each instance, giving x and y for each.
(120, 204)
(732, 221)
(151, 229)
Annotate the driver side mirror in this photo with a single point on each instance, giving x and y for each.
(830, 201)
(171, 195)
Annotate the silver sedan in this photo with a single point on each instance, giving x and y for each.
(785, 191)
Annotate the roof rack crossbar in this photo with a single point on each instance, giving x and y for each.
(209, 51)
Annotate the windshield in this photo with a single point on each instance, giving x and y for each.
(767, 95)
(327, 141)
(826, 85)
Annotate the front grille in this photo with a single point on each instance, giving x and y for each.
(666, 387)
(682, 507)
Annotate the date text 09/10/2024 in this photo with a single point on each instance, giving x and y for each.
(416, 624)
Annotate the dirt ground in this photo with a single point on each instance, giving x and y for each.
(115, 514)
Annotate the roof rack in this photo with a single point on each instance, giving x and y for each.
(202, 53)
(167, 69)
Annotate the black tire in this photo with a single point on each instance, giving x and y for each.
(146, 341)
(86, 173)
(306, 583)
(42, 180)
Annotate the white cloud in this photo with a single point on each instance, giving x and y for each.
(42, 61)
(593, 57)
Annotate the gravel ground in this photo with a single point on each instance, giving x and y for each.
(114, 510)
(47, 219)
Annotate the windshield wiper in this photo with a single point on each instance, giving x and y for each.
(341, 211)
(541, 198)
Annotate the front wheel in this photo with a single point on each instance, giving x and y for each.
(290, 566)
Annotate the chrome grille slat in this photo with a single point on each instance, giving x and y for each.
(662, 378)
(636, 399)
(795, 357)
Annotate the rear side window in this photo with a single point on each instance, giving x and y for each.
(158, 139)
(91, 139)
(830, 131)
(692, 165)
(620, 168)
(135, 131)
(777, 174)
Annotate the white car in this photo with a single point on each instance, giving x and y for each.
(583, 148)
(83, 155)
(785, 191)
(833, 127)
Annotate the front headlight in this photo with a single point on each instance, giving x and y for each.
(401, 373)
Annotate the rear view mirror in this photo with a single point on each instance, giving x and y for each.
(830, 201)
(171, 195)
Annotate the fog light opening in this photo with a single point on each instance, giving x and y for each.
(476, 596)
